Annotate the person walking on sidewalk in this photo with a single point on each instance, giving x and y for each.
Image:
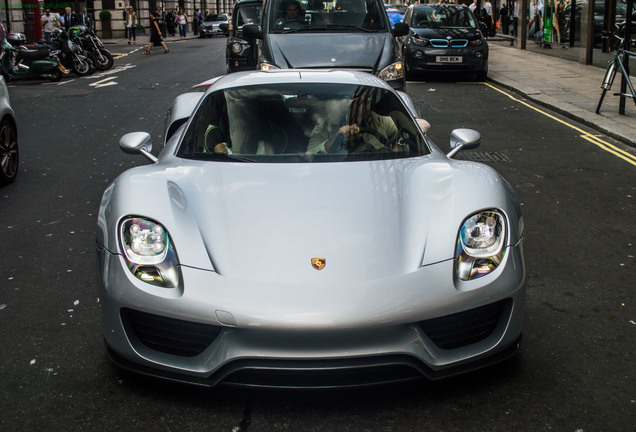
(131, 24)
(170, 25)
(183, 20)
(49, 24)
(155, 35)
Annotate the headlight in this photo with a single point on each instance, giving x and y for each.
(148, 252)
(267, 66)
(475, 42)
(480, 244)
(392, 72)
(237, 48)
(420, 42)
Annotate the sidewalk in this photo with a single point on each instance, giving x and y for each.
(567, 87)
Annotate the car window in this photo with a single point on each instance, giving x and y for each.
(302, 123)
(248, 14)
(442, 17)
(335, 15)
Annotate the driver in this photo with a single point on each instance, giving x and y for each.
(292, 16)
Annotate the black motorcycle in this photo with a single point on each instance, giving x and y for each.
(70, 54)
(91, 44)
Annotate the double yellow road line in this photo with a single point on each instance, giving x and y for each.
(594, 139)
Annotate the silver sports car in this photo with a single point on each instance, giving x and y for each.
(299, 229)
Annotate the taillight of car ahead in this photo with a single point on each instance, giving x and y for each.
(148, 251)
(480, 245)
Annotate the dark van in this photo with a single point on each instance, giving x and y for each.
(345, 34)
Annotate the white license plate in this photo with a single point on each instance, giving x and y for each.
(448, 59)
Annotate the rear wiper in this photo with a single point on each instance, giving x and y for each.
(217, 156)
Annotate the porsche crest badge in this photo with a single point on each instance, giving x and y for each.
(319, 263)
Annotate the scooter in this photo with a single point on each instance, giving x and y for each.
(23, 63)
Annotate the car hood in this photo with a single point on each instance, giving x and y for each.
(212, 23)
(318, 50)
(265, 222)
(443, 33)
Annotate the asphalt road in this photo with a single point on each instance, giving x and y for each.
(575, 370)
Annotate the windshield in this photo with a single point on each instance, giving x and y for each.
(302, 123)
(441, 16)
(216, 17)
(336, 15)
(248, 14)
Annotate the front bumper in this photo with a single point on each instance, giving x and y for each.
(210, 31)
(214, 330)
(423, 59)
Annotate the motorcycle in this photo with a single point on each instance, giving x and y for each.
(70, 54)
(22, 63)
(91, 44)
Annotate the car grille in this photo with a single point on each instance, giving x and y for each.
(464, 328)
(168, 335)
(445, 43)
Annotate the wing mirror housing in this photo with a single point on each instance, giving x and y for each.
(252, 31)
(137, 143)
(463, 139)
(400, 29)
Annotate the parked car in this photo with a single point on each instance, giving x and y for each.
(295, 253)
(240, 51)
(346, 34)
(211, 25)
(444, 38)
(9, 151)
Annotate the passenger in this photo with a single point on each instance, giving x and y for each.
(376, 133)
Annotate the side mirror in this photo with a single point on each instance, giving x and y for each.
(400, 29)
(252, 31)
(463, 139)
(137, 143)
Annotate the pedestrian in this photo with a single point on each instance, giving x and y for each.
(505, 19)
(170, 26)
(515, 18)
(124, 15)
(86, 19)
(131, 23)
(183, 20)
(490, 21)
(195, 22)
(161, 19)
(155, 35)
(69, 19)
(49, 24)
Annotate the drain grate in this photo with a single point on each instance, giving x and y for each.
(483, 156)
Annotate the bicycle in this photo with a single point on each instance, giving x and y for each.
(614, 65)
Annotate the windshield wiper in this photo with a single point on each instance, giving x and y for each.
(343, 27)
(217, 156)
